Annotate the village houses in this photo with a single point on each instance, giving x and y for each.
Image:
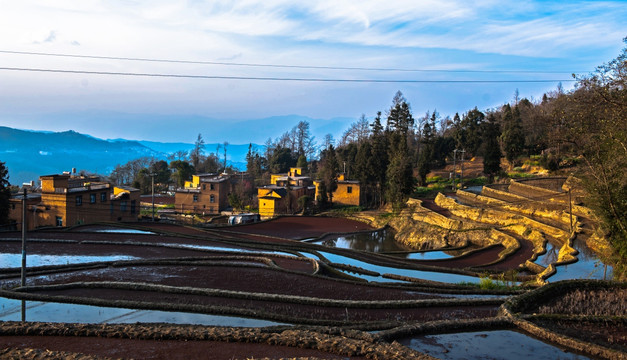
(67, 200)
(281, 196)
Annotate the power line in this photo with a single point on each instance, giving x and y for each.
(221, 77)
(223, 63)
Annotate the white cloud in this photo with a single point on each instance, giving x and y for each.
(429, 34)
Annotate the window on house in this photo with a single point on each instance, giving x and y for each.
(79, 200)
(349, 189)
(122, 205)
(103, 197)
(212, 199)
(195, 198)
(92, 198)
(59, 221)
(212, 187)
(13, 206)
(133, 205)
(204, 186)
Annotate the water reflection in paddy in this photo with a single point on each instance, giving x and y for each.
(588, 265)
(15, 260)
(10, 310)
(121, 231)
(419, 274)
(381, 241)
(501, 344)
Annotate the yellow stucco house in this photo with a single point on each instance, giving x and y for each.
(348, 192)
(281, 196)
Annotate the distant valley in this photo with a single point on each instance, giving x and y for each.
(30, 154)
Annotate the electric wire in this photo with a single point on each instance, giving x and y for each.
(224, 63)
(222, 77)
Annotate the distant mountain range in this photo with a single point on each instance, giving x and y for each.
(30, 154)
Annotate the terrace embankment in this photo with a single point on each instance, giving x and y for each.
(588, 316)
(522, 217)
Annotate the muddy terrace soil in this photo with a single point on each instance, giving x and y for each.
(257, 271)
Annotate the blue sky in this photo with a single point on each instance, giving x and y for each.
(468, 39)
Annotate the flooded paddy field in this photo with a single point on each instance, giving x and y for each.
(497, 344)
(352, 284)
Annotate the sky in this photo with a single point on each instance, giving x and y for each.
(428, 50)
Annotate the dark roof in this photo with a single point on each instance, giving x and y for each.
(279, 190)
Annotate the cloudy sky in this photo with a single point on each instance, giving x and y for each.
(438, 53)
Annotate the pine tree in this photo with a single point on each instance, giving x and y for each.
(399, 173)
(379, 160)
(492, 150)
(329, 171)
(302, 162)
(425, 157)
(513, 136)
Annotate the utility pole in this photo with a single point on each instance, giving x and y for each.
(23, 282)
(152, 177)
(454, 169)
(461, 181)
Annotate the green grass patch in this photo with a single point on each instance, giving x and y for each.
(478, 181)
(519, 175)
(345, 209)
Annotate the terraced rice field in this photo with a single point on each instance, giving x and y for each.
(260, 291)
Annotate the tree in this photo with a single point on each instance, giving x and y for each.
(183, 171)
(302, 162)
(471, 127)
(197, 152)
(235, 201)
(253, 162)
(425, 157)
(304, 141)
(399, 172)
(328, 140)
(400, 180)
(492, 150)
(281, 160)
(329, 171)
(379, 159)
(5, 194)
(225, 144)
(513, 137)
(161, 171)
(127, 174)
(358, 132)
(598, 109)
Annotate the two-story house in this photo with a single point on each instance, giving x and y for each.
(208, 193)
(348, 192)
(67, 200)
(281, 196)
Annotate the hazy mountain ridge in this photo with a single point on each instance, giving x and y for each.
(185, 128)
(29, 154)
